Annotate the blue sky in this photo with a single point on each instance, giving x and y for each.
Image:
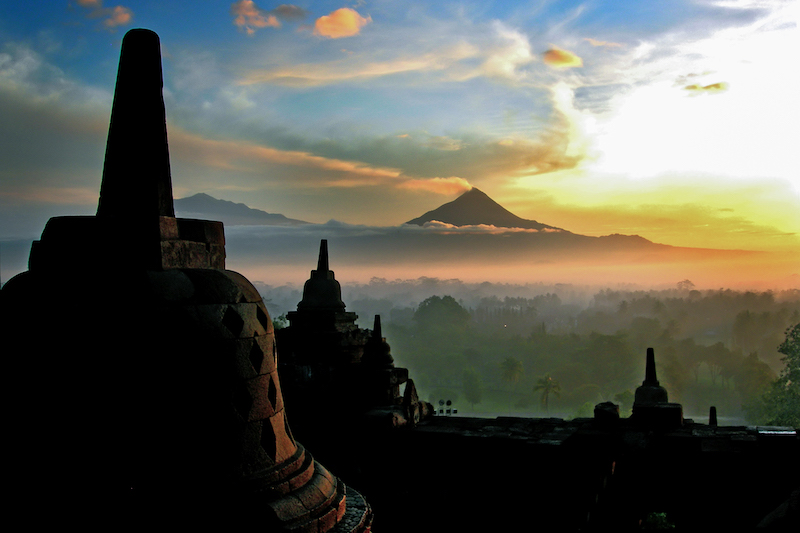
(675, 120)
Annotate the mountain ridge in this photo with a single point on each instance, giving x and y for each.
(204, 206)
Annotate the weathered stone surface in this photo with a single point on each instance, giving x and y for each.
(220, 286)
(206, 231)
(357, 516)
(264, 405)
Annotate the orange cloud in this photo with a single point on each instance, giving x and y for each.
(114, 16)
(118, 17)
(344, 22)
(606, 44)
(713, 88)
(248, 16)
(448, 186)
(561, 59)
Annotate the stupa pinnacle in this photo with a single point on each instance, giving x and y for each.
(321, 291)
(136, 174)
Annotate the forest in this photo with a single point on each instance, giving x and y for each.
(536, 350)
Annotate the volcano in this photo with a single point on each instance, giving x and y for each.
(474, 208)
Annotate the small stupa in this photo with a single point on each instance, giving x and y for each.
(331, 366)
(651, 404)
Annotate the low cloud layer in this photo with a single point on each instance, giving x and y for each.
(480, 229)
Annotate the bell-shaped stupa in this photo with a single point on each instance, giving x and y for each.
(144, 363)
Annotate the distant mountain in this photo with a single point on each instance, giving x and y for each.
(231, 214)
(473, 208)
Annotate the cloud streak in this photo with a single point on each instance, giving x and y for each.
(355, 69)
(604, 44)
(240, 155)
(497, 52)
(447, 186)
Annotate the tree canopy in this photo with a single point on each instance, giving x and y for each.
(780, 405)
(548, 386)
(441, 311)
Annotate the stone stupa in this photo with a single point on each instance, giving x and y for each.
(144, 364)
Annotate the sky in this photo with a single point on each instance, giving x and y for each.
(677, 120)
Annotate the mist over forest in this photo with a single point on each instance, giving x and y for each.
(557, 350)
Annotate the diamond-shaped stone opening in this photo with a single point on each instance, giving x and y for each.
(263, 318)
(272, 394)
(233, 321)
(256, 356)
(242, 401)
(268, 441)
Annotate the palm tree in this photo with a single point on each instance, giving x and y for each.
(512, 370)
(548, 386)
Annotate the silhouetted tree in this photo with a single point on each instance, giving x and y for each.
(548, 386)
(625, 401)
(675, 376)
(441, 313)
(753, 378)
(280, 322)
(512, 370)
(780, 405)
(472, 386)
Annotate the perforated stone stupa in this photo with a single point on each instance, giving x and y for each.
(331, 366)
(149, 366)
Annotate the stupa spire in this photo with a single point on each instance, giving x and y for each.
(322, 262)
(650, 392)
(322, 291)
(376, 328)
(650, 369)
(136, 175)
